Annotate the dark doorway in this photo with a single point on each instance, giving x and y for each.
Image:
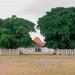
(37, 50)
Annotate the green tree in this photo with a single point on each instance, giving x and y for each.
(58, 27)
(14, 32)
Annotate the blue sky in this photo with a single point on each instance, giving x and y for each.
(31, 9)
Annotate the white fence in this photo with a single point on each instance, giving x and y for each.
(65, 51)
(9, 51)
(44, 50)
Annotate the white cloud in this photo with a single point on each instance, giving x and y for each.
(37, 8)
(30, 8)
(10, 7)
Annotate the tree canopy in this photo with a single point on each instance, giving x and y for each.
(58, 27)
(14, 32)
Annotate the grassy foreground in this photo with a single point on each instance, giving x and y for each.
(37, 65)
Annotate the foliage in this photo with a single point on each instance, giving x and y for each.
(58, 27)
(14, 32)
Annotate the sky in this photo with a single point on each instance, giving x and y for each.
(31, 9)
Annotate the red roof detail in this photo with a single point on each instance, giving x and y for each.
(38, 41)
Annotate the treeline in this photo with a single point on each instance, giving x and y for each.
(14, 32)
(57, 26)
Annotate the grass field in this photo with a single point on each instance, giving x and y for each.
(37, 65)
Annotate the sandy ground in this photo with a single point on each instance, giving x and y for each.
(37, 65)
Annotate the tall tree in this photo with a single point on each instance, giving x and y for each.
(14, 32)
(58, 27)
